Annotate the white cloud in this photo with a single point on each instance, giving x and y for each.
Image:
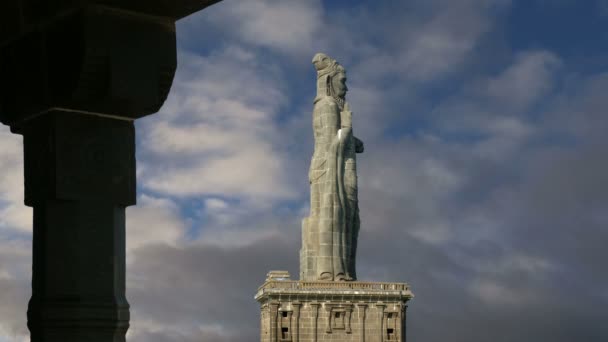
(496, 294)
(430, 205)
(531, 76)
(286, 26)
(425, 42)
(216, 134)
(15, 268)
(435, 50)
(505, 135)
(432, 232)
(14, 215)
(154, 221)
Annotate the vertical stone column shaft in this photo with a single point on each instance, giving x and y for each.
(79, 177)
(361, 310)
(403, 323)
(349, 312)
(296, 324)
(381, 308)
(274, 321)
(315, 319)
(328, 309)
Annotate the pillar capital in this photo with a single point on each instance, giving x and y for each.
(18, 17)
(98, 61)
(114, 58)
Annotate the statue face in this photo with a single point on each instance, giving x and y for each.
(339, 84)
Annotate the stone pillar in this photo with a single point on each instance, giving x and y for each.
(349, 313)
(296, 324)
(403, 333)
(361, 307)
(74, 75)
(328, 309)
(263, 325)
(274, 321)
(79, 177)
(315, 320)
(381, 308)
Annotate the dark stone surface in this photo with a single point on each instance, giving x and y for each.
(75, 157)
(79, 177)
(78, 283)
(98, 60)
(20, 16)
(73, 77)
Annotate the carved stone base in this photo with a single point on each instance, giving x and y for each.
(311, 311)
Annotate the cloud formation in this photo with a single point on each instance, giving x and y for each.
(482, 184)
(216, 134)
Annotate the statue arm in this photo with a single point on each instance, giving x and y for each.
(358, 145)
(346, 118)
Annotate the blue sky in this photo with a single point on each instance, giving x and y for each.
(482, 183)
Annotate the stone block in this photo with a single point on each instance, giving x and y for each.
(334, 311)
(70, 156)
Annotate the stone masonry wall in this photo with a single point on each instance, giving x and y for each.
(332, 321)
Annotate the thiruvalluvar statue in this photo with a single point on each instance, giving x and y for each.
(329, 234)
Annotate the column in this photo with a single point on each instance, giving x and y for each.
(381, 308)
(315, 315)
(74, 75)
(296, 324)
(361, 307)
(79, 177)
(328, 308)
(349, 313)
(274, 321)
(403, 332)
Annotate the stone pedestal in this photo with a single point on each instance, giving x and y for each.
(314, 311)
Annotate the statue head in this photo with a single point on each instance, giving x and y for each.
(331, 77)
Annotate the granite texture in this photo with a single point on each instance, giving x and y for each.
(327, 303)
(310, 311)
(329, 233)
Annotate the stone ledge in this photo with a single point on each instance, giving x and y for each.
(330, 288)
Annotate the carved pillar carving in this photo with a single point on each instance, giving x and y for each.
(361, 307)
(296, 323)
(349, 312)
(381, 308)
(274, 321)
(315, 315)
(328, 308)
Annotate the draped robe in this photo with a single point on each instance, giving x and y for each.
(330, 232)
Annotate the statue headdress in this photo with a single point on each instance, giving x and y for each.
(327, 67)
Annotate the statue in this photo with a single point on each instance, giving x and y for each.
(329, 234)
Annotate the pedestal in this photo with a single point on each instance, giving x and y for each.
(311, 311)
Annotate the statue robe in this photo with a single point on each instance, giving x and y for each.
(330, 232)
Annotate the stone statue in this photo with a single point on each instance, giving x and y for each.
(329, 234)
